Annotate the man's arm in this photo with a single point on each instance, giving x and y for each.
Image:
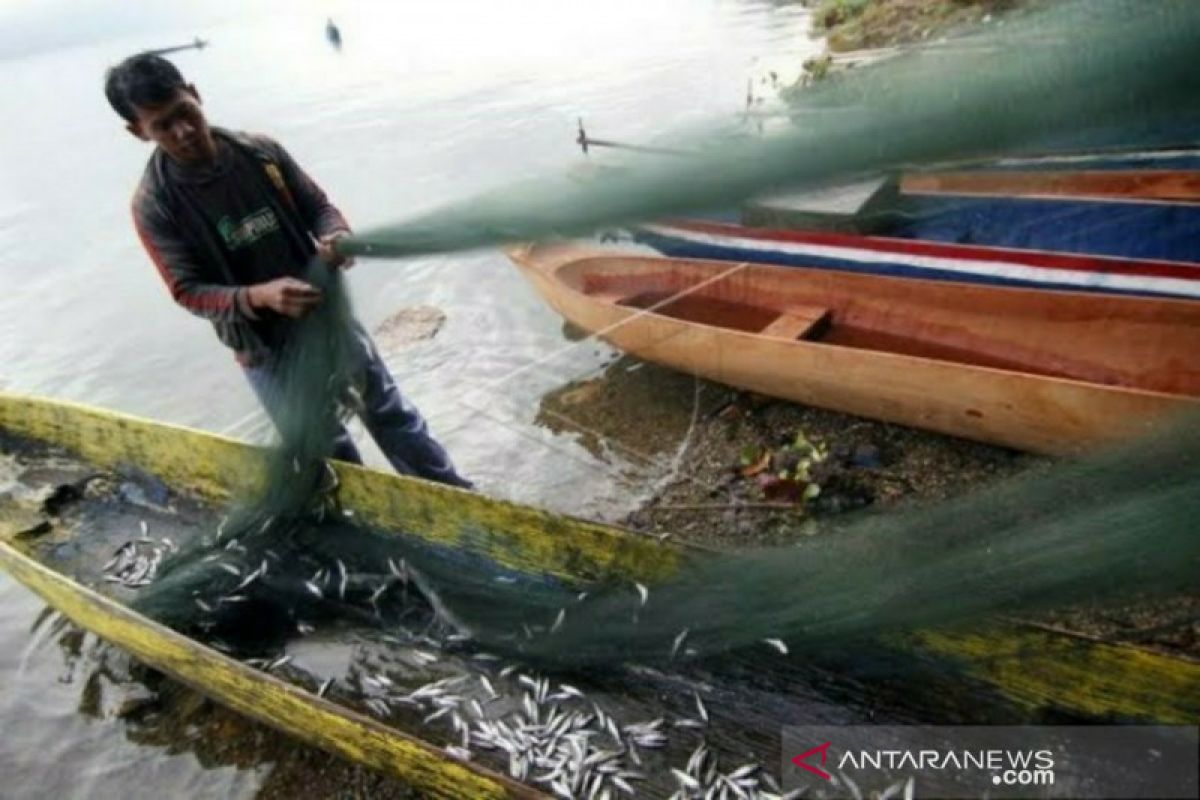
(181, 271)
(321, 216)
(324, 220)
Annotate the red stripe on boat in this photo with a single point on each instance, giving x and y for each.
(1112, 265)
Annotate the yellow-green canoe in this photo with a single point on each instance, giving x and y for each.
(1034, 672)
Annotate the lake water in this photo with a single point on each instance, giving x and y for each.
(424, 104)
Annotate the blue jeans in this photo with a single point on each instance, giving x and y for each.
(394, 423)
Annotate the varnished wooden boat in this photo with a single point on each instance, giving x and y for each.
(1026, 672)
(1050, 373)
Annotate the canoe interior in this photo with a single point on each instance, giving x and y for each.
(1137, 343)
(944, 678)
(749, 699)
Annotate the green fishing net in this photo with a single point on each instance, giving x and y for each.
(1098, 71)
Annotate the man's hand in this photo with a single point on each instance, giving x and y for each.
(288, 296)
(328, 253)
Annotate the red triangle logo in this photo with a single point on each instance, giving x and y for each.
(800, 760)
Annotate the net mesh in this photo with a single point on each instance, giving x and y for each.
(1091, 72)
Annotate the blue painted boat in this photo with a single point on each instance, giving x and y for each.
(1117, 223)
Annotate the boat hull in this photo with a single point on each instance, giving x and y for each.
(912, 258)
(1025, 411)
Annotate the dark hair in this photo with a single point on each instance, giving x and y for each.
(141, 80)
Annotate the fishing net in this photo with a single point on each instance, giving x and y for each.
(1096, 73)
(1088, 72)
(231, 566)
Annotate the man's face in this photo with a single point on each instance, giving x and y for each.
(177, 126)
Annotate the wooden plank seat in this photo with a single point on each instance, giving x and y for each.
(799, 322)
(615, 295)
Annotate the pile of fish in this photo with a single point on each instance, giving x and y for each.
(135, 563)
(550, 736)
(555, 737)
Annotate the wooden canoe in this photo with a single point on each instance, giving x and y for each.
(1049, 373)
(1028, 674)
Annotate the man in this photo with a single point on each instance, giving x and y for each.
(230, 220)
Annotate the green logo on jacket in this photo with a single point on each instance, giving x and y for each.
(249, 230)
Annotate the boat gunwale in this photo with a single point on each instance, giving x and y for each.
(376, 744)
(382, 498)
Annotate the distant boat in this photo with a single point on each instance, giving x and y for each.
(333, 34)
(1039, 371)
(1119, 220)
(1122, 224)
(196, 44)
(898, 256)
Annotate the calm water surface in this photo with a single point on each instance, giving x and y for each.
(425, 103)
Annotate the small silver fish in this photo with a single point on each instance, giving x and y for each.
(778, 644)
(679, 641)
(279, 662)
(439, 713)
(461, 753)
(623, 785)
(121, 558)
(249, 579)
(643, 592)
(685, 780)
(375, 595)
